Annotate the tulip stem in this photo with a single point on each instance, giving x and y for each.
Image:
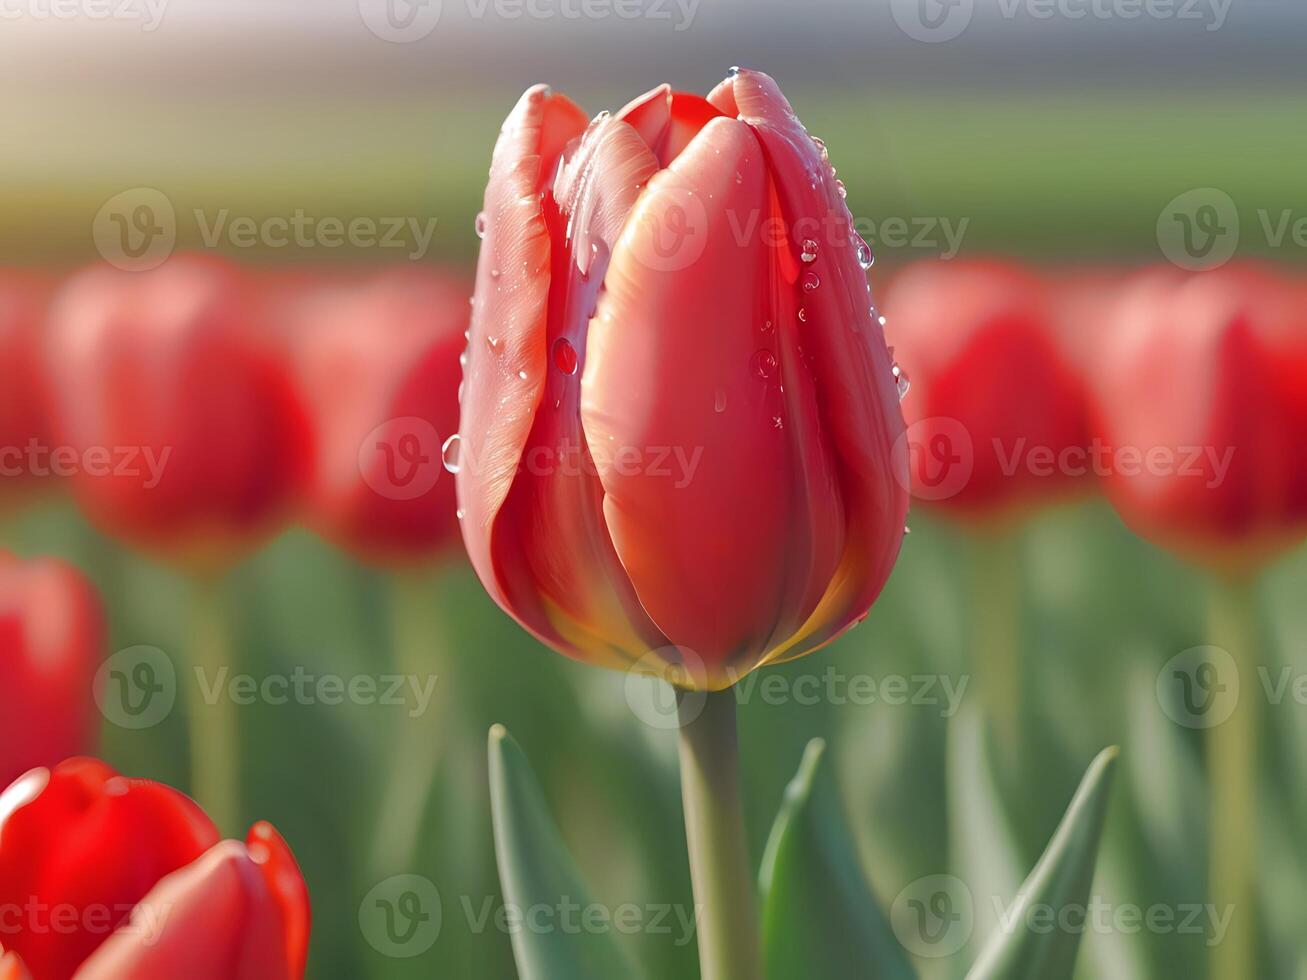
(214, 733)
(417, 741)
(996, 593)
(1232, 777)
(729, 946)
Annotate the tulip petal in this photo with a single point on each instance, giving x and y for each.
(11, 967)
(667, 121)
(849, 358)
(273, 857)
(215, 919)
(551, 547)
(82, 836)
(683, 394)
(505, 372)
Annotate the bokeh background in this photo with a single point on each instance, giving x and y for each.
(1058, 139)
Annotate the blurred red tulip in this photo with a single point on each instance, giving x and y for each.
(997, 415)
(1200, 398)
(52, 639)
(181, 413)
(680, 412)
(378, 367)
(106, 877)
(24, 423)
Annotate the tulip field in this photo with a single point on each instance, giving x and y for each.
(766, 539)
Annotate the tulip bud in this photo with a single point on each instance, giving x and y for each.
(23, 410)
(680, 413)
(52, 639)
(1199, 396)
(141, 885)
(377, 366)
(997, 418)
(181, 412)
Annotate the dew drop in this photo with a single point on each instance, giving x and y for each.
(451, 451)
(866, 258)
(480, 224)
(732, 71)
(809, 253)
(811, 280)
(493, 344)
(906, 529)
(719, 403)
(565, 356)
(521, 375)
(494, 273)
(901, 382)
(841, 189)
(803, 315)
(460, 513)
(764, 364)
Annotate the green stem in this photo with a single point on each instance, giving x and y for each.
(214, 733)
(417, 742)
(996, 615)
(729, 945)
(1232, 777)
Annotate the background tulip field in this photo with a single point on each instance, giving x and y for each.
(325, 167)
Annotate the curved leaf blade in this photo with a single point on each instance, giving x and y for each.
(536, 869)
(820, 918)
(1062, 878)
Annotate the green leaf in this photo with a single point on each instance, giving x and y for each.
(820, 918)
(536, 870)
(1028, 946)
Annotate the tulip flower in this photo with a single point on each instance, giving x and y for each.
(680, 412)
(677, 442)
(998, 410)
(23, 411)
(108, 878)
(377, 364)
(189, 438)
(1199, 398)
(52, 639)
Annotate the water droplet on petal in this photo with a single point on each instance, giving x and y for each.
(803, 315)
(809, 253)
(901, 382)
(866, 258)
(719, 404)
(906, 529)
(480, 224)
(521, 375)
(565, 356)
(811, 280)
(764, 364)
(732, 71)
(451, 451)
(460, 513)
(493, 344)
(841, 189)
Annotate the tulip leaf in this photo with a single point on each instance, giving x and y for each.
(1035, 940)
(536, 870)
(820, 918)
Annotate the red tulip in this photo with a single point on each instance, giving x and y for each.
(108, 878)
(378, 367)
(997, 417)
(23, 410)
(52, 639)
(1200, 399)
(182, 414)
(680, 412)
